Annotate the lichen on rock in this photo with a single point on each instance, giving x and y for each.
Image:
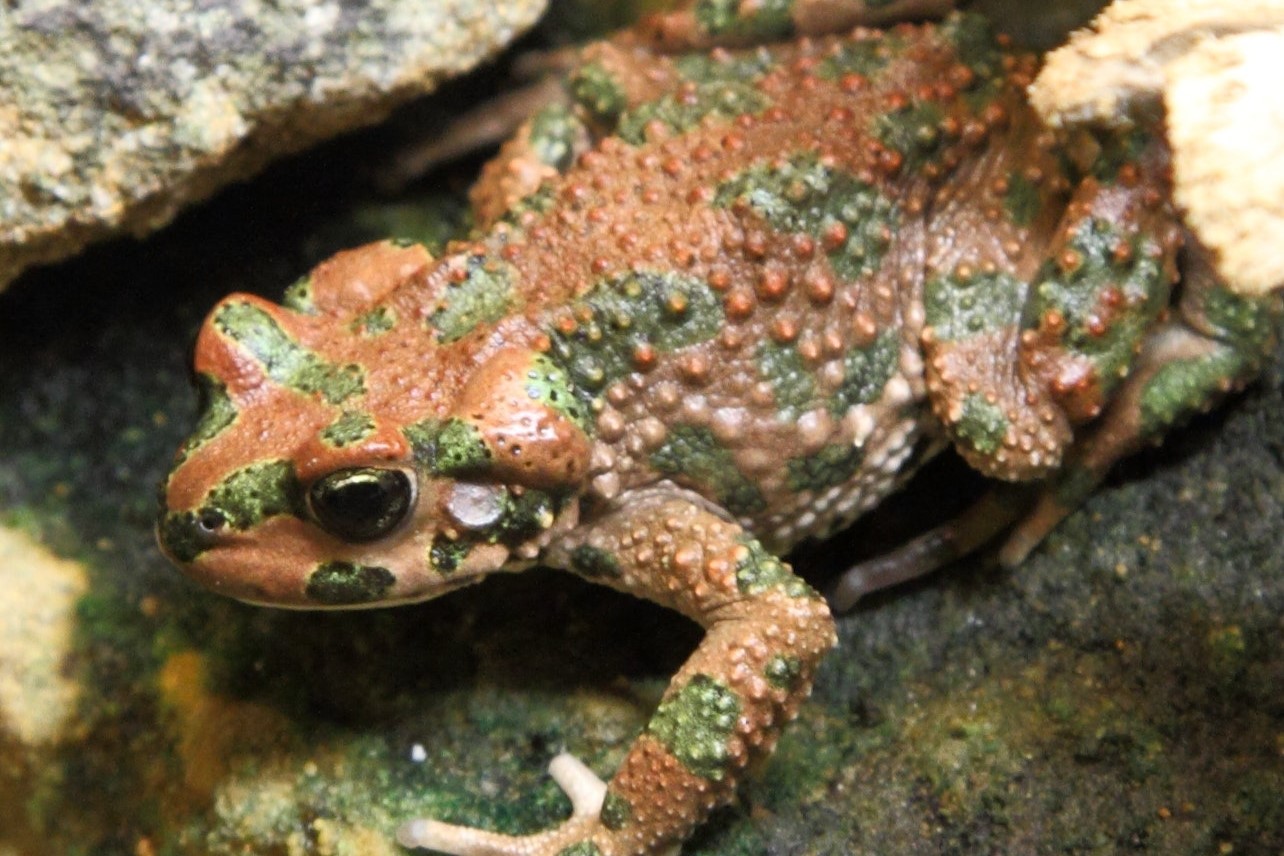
(116, 115)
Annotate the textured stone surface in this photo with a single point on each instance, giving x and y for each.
(116, 114)
(1215, 67)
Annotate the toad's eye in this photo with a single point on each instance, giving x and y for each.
(362, 503)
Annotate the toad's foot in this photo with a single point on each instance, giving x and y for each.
(580, 784)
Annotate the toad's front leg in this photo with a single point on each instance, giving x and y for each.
(766, 630)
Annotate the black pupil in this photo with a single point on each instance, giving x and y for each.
(361, 504)
(211, 520)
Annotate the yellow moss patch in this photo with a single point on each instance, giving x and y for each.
(214, 730)
(36, 629)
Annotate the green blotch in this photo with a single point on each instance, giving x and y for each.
(594, 562)
(251, 495)
(548, 384)
(783, 672)
(616, 811)
(352, 426)
(447, 447)
(865, 57)
(723, 98)
(792, 382)
(975, 44)
(1246, 323)
(178, 534)
(344, 583)
(598, 91)
(691, 455)
(422, 436)
(458, 447)
(831, 466)
(982, 424)
(484, 296)
(1077, 296)
(695, 724)
(803, 195)
(1021, 200)
(768, 20)
(1245, 328)
(1118, 149)
(445, 555)
(866, 372)
(376, 322)
(976, 47)
(555, 130)
(580, 848)
(1182, 387)
(284, 360)
(914, 132)
(524, 516)
(759, 571)
(298, 296)
(721, 67)
(541, 201)
(217, 413)
(958, 309)
(665, 311)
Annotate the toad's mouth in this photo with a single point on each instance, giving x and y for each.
(407, 600)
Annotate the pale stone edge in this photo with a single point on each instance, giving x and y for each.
(1215, 68)
(289, 128)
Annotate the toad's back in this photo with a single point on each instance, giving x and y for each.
(734, 281)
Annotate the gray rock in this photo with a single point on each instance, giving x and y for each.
(115, 115)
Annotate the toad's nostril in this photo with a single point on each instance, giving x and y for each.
(185, 535)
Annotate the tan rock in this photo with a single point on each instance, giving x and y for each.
(36, 633)
(1215, 68)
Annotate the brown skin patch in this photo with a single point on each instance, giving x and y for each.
(247, 565)
(277, 424)
(1037, 431)
(316, 458)
(530, 443)
(356, 279)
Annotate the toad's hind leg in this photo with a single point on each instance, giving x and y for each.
(487, 125)
(1050, 376)
(1214, 346)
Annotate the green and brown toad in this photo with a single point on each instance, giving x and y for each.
(719, 301)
